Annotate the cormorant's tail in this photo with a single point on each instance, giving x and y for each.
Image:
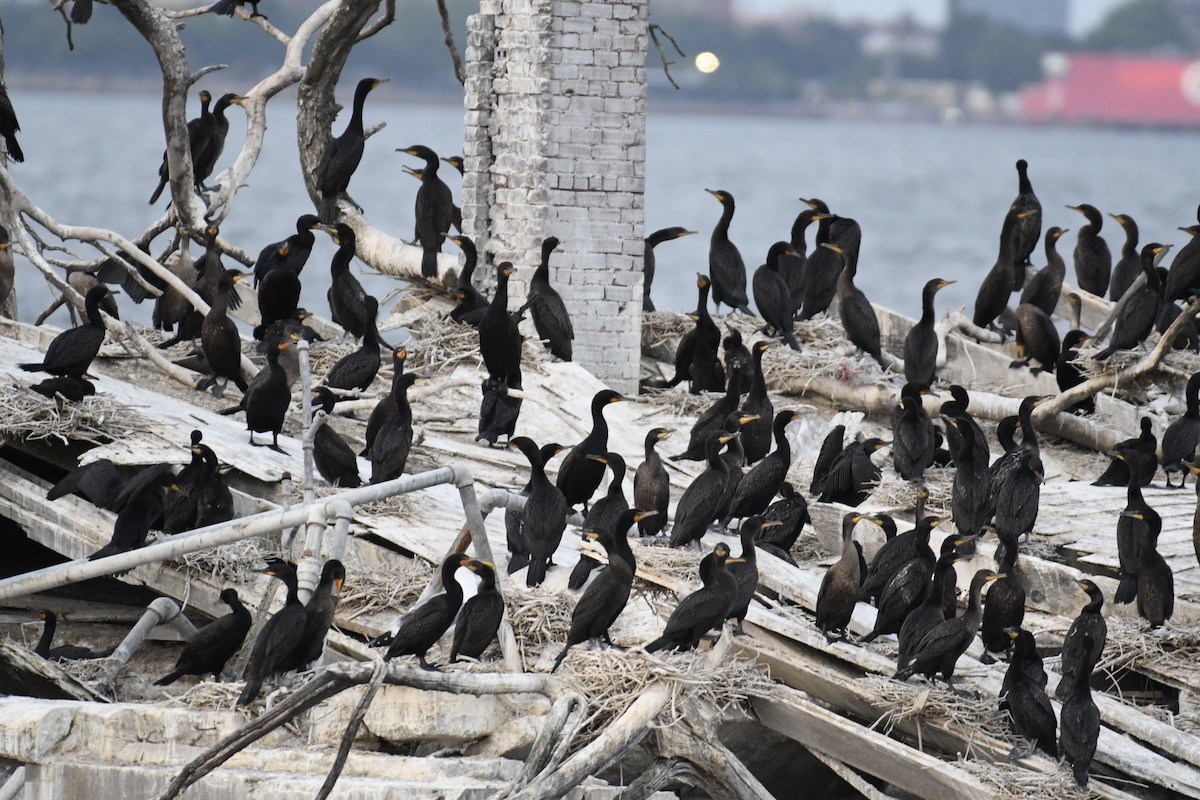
(162, 183)
(31, 367)
(328, 211)
(429, 262)
(536, 573)
(1105, 353)
(657, 644)
(250, 692)
(225, 7)
(14, 149)
(170, 677)
(560, 658)
(517, 561)
(1126, 589)
(81, 12)
(583, 568)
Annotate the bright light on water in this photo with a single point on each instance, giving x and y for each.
(707, 62)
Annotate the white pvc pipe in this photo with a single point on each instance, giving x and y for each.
(161, 610)
(12, 788)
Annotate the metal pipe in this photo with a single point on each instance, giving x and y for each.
(12, 788)
(343, 513)
(164, 609)
(310, 494)
(267, 522)
(308, 565)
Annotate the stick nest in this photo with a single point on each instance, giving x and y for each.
(236, 563)
(28, 416)
(1175, 649)
(539, 619)
(397, 589)
(933, 702)
(1012, 781)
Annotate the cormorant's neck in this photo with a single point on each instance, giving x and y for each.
(927, 306)
(1193, 397)
(453, 589)
(722, 229)
(1023, 184)
(43, 645)
(93, 312)
(799, 231)
(342, 258)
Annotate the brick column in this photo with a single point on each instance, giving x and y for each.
(556, 146)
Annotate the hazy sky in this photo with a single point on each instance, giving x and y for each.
(1084, 13)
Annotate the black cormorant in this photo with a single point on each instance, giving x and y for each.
(823, 266)
(171, 306)
(434, 209)
(390, 446)
(205, 162)
(711, 421)
(220, 339)
(72, 390)
(546, 306)
(1026, 234)
(1183, 435)
(99, 482)
(545, 516)
(998, 283)
(72, 351)
(1093, 260)
(266, 402)
(293, 251)
(839, 586)
(357, 370)
(939, 649)
(745, 568)
(969, 490)
(1142, 450)
(756, 435)
(514, 520)
(831, 448)
(347, 298)
(705, 372)
(1079, 724)
(226, 7)
(471, 302)
(386, 406)
(700, 503)
(653, 241)
(1136, 318)
(792, 267)
(857, 313)
(332, 456)
(913, 441)
(603, 513)
(702, 610)
(198, 129)
(652, 485)
(480, 617)
(737, 359)
(422, 626)
(64, 652)
(1129, 266)
(499, 339)
(1183, 279)
(759, 486)
(1005, 604)
(1037, 339)
(791, 510)
(279, 636)
(342, 155)
(278, 293)
(1015, 479)
(894, 554)
(1045, 286)
(921, 342)
(1138, 528)
(579, 476)
(318, 615)
(725, 263)
(1067, 374)
(772, 297)
(9, 126)
(139, 505)
(1025, 699)
(853, 476)
(905, 583)
(932, 611)
(1084, 641)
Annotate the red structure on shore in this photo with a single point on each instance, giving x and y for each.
(1116, 90)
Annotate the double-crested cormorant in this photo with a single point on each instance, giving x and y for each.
(332, 456)
(480, 617)
(179, 511)
(72, 390)
(171, 306)
(772, 297)
(998, 283)
(1183, 279)
(895, 553)
(1079, 724)
(652, 485)
(921, 344)
(745, 568)
(389, 447)
(839, 586)
(759, 486)
(386, 407)
(604, 513)
(64, 652)
(823, 265)
(518, 554)
(499, 339)
(831, 448)
(139, 506)
(1136, 318)
(1037, 339)
(293, 251)
(226, 7)
(712, 420)
(318, 615)
(604, 599)
(579, 476)
(725, 263)
(1183, 435)
(1026, 234)
(705, 373)
(1025, 699)
(913, 442)
(1045, 286)
(434, 209)
(1145, 575)
(700, 503)
(756, 435)
(471, 303)
(98, 482)
(1141, 450)
(968, 493)
(792, 267)
(939, 593)
(211, 647)
(653, 241)
(1093, 259)
(1188, 335)
(1084, 641)
(1129, 266)
(905, 583)
(9, 126)
(939, 649)
(279, 636)
(208, 273)
(1015, 479)
(205, 161)
(853, 476)
(1005, 604)
(738, 359)
(266, 401)
(546, 306)
(702, 610)
(791, 510)
(545, 516)
(220, 339)
(734, 458)
(422, 625)
(72, 351)
(347, 298)
(198, 128)
(357, 370)
(1067, 374)
(342, 155)
(857, 313)
(278, 293)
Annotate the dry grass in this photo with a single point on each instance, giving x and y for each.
(27, 415)
(937, 703)
(1173, 649)
(230, 564)
(1012, 781)
(396, 590)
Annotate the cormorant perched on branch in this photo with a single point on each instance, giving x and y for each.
(341, 157)
(9, 126)
(226, 7)
(1136, 318)
(293, 251)
(1045, 286)
(198, 128)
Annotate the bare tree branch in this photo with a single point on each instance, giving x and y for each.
(655, 30)
(459, 72)
(385, 19)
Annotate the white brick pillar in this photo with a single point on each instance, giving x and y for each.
(556, 146)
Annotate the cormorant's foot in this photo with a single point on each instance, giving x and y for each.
(431, 668)
(986, 658)
(1019, 752)
(1017, 363)
(1036, 370)
(277, 449)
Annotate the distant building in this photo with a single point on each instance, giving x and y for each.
(1038, 16)
(1111, 89)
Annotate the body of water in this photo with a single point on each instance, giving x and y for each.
(930, 198)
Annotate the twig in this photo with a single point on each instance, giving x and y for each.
(655, 30)
(352, 729)
(388, 16)
(459, 72)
